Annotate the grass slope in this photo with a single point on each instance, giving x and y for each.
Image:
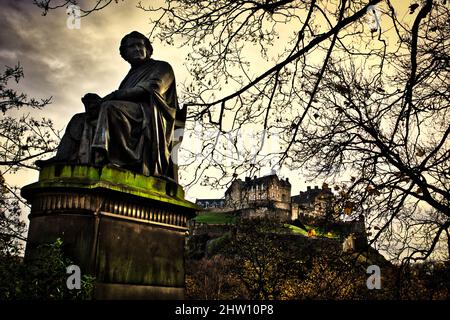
(224, 218)
(215, 218)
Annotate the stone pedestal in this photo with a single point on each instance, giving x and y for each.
(125, 229)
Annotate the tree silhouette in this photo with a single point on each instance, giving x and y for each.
(23, 140)
(355, 92)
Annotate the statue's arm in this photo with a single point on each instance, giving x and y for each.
(135, 94)
(158, 81)
(130, 94)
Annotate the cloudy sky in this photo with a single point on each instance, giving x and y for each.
(67, 63)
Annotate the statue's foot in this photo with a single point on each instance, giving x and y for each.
(99, 157)
(114, 165)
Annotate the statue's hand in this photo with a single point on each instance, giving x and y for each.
(110, 96)
(90, 97)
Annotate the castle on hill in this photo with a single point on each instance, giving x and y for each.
(270, 196)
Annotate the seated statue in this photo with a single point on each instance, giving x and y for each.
(132, 127)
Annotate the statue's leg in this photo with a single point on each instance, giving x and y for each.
(70, 142)
(118, 136)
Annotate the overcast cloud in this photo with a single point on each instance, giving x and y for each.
(67, 63)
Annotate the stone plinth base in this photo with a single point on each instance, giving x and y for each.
(125, 229)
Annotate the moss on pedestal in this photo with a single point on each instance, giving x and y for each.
(126, 229)
(112, 178)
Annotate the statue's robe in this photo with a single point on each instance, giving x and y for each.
(133, 135)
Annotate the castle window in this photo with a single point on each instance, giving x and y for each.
(252, 193)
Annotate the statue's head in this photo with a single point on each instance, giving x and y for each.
(135, 48)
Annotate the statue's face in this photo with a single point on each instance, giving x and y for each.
(135, 50)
